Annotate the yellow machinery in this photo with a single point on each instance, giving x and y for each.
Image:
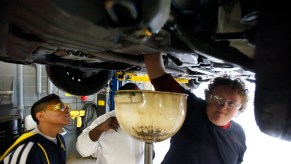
(77, 114)
(131, 76)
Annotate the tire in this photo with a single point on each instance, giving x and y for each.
(273, 76)
(73, 81)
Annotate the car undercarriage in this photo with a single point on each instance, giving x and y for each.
(83, 44)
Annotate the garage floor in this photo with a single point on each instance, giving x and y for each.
(160, 151)
(77, 159)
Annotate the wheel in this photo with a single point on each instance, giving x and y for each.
(76, 82)
(273, 76)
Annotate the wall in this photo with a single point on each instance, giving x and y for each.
(7, 82)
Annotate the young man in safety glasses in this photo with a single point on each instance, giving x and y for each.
(44, 144)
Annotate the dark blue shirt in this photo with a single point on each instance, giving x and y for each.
(37, 149)
(199, 141)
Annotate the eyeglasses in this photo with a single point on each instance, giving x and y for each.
(219, 101)
(59, 107)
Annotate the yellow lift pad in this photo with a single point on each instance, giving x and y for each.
(122, 76)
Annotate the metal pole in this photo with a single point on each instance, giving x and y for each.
(148, 156)
(20, 89)
(111, 94)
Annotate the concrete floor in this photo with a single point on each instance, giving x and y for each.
(78, 159)
(160, 151)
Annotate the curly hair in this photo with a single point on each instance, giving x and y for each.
(235, 84)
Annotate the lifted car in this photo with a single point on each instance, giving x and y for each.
(83, 43)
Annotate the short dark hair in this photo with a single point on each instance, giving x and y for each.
(235, 84)
(129, 86)
(41, 105)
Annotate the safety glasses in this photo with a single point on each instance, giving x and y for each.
(220, 101)
(59, 107)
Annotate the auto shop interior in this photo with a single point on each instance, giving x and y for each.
(22, 85)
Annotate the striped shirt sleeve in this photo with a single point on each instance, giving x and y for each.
(19, 155)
